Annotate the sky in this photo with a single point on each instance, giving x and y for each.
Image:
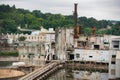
(98, 9)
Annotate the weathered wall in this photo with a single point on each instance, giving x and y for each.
(92, 55)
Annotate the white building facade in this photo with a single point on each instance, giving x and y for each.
(39, 46)
(101, 49)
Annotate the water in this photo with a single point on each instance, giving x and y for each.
(77, 75)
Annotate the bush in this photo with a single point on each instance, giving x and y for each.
(22, 38)
(8, 53)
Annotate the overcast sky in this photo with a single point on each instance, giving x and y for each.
(99, 9)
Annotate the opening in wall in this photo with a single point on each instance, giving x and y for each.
(115, 46)
(113, 71)
(77, 55)
(71, 56)
(96, 46)
(90, 56)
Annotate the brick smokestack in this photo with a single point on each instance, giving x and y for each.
(75, 14)
(94, 31)
(75, 22)
(80, 30)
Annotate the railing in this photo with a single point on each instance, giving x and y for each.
(39, 72)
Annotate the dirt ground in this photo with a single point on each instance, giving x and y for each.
(6, 73)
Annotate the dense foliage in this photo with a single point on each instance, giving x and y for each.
(5, 54)
(22, 38)
(11, 18)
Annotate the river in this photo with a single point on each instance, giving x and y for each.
(68, 74)
(64, 74)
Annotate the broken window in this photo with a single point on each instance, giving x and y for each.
(116, 46)
(113, 56)
(23, 55)
(90, 56)
(71, 56)
(113, 59)
(112, 71)
(77, 55)
(96, 46)
(53, 45)
(112, 62)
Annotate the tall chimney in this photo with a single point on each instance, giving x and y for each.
(94, 30)
(75, 22)
(75, 14)
(80, 30)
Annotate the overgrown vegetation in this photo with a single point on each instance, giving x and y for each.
(5, 54)
(22, 38)
(11, 18)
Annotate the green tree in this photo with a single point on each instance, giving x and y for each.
(87, 31)
(11, 18)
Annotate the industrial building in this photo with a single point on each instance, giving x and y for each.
(38, 47)
(69, 44)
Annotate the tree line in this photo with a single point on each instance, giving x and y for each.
(11, 18)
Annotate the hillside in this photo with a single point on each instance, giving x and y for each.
(11, 18)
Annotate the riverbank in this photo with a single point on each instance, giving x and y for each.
(10, 74)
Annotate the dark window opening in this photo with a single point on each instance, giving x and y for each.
(53, 45)
(71, 56)
(96, 46)
(82, 62)
(113, 62)
(90, 56)
(81, 44)
(116, 46)
(48, 57)
(77, 55)
(113, 56)
(54, 57)
(106, 42)
(23, 55)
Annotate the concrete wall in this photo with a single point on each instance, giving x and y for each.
(69, 37)
(118, 65)
(61, 44)
(50, 37)
(111, 66)
(92, 55)
(114, 43)
(117, 68)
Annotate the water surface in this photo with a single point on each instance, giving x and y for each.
(77, 75)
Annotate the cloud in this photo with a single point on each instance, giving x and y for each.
(99, 9)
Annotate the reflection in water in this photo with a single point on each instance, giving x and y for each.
(77, 75)
(59, 75)
(90, 75)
